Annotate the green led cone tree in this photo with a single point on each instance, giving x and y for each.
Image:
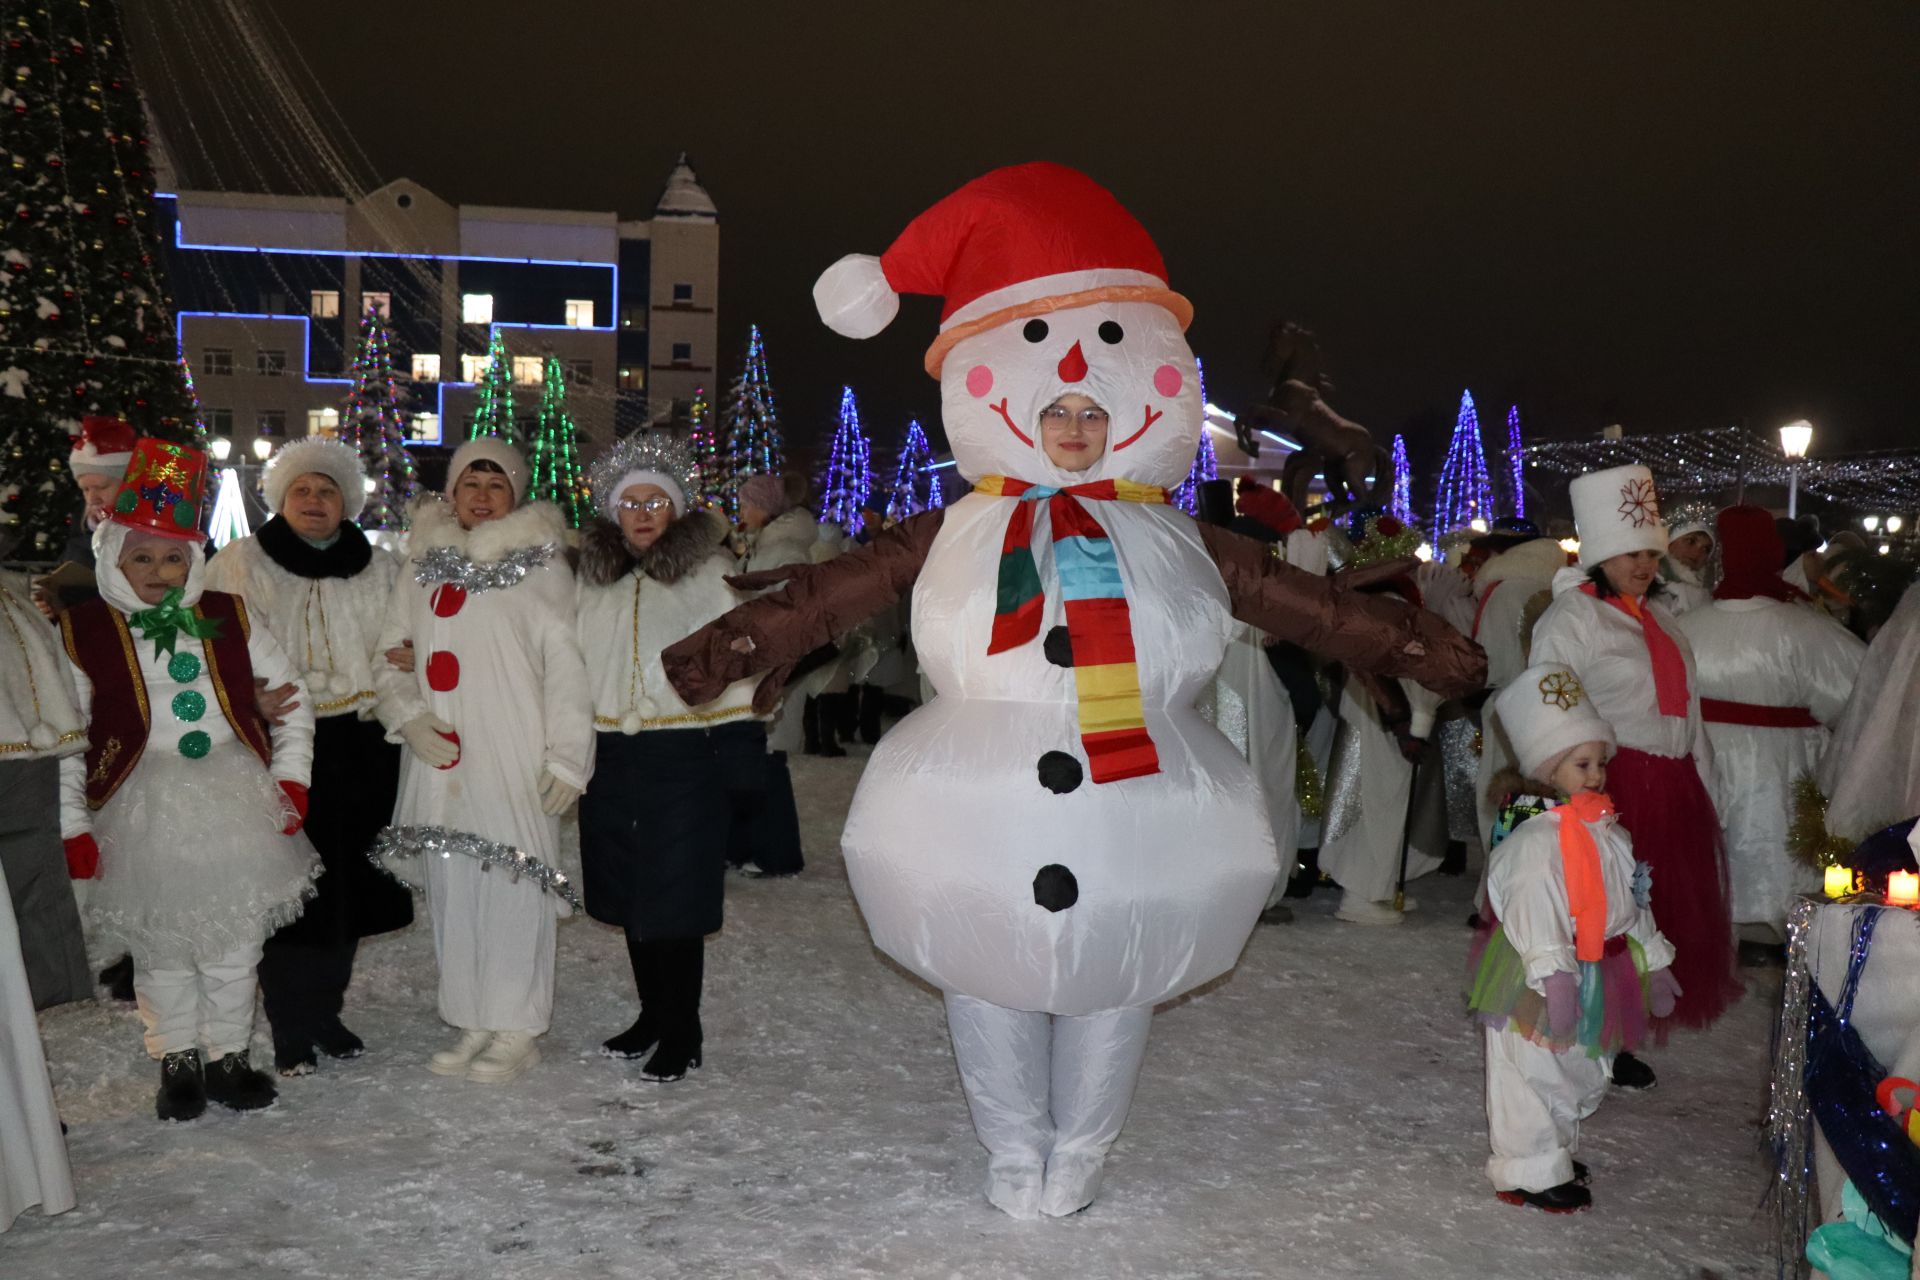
(86, 321)
(493, 414)
(557, 477)
(375, 424)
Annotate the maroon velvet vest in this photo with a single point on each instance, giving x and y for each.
(100, 644)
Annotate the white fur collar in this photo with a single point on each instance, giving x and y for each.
(528, 525)
(1540, 558)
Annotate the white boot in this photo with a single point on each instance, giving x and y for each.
(1073, 1180)
(510, 1054)
(1014, 1186)
(1357, 910)
(454, 1061)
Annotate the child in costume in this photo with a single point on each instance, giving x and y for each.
(1573, 964)
(184, 810)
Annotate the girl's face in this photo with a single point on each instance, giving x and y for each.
(155, 568)
(480, 496)
(1584, 769)
(1073, 430)
(645, 511)
(1692, 550)
(314, 506)
(1631, 573)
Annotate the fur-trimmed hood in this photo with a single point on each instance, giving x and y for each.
(1539, 559)
(1511, 782)
(605, 557)
(529, 525)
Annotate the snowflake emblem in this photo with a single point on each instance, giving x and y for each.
(1639, 506)
(1561, 689)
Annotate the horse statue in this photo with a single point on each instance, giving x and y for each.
(1357, 471)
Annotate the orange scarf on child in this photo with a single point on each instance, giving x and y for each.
(1580, 861)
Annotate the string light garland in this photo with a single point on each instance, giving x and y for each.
(704, 443)
(1466, 494)
(557, 476)
(494, 415)
(1516, 472)
(916, 485)
(375, 425)
(848, 480)
(750, 443)
(1400, 505)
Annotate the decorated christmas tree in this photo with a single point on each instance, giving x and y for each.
(708, 469)
(557, 477)
(1465, 494)
(375, 424)
(916, 486)
(1401, 503)
(848, 480)
(750, 443)
(86, 321)
(493, 414)
(1515, 463)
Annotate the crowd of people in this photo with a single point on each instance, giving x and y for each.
(248, 761)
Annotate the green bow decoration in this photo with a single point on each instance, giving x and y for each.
(163, 623)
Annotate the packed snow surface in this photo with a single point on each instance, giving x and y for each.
(1317, 1113)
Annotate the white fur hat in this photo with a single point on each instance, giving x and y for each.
(1616, 511)
(337, 461)
(1547, 713)
(499, 453)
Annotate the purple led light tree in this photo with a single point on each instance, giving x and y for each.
(1466, 494)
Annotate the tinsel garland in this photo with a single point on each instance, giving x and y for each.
(1789, 1125)
(1385, 539)
(1306, 782)
(450, 565)
(1807, 837)
(396, 843)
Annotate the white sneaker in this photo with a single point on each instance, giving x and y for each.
(454, 1061)
(510, 1055)
(1357, 911)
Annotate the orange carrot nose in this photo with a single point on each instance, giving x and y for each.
(1073, 365)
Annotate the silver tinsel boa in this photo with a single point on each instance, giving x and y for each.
(402, 844)
(1789, 1126)
(450, 565)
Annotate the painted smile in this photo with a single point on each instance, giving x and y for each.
(1149, 416)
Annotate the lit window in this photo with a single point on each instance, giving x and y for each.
(472, 368)
(217, 361)
(580, 372)
(683, 293)
(580, 313)
(381, 302)
(324, 304)
(220, 422)
(529, 370)
(476, 308)
(682, 352)
(270, 362)
(426, 368)
(633, 379)
(272, 423)
(323, 422)
(633, 316)
(426, 428)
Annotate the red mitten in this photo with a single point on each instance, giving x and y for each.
(1563, 1005)
(297, 797)
(1662, 991)
(1269, 506)
(83, 857)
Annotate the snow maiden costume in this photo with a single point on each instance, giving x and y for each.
(184, 806)
(1058, 841)
(1636, 665)
(670, 782)
(325, 604)
(1563, 979)
(489, 611)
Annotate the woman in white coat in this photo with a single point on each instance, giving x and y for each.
(1773, 672)
(498, 725)
(1871, 774)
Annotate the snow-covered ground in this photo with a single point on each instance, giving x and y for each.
(1317, 1113)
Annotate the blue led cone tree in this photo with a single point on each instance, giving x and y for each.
(375, 424)
(493, 412)
(1515, 464)
(1466, 494)
(915, 486)
(1401, 503)
(847, 482)
(749, 435)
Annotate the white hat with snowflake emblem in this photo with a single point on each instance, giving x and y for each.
(1547, 713)
(1616, 511)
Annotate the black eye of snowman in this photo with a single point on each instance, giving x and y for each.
(1111, 333)
(1035, 330)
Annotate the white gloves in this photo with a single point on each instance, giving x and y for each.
(1425, 705)
(432, 740)
(555, 795)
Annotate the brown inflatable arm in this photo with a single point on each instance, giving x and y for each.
(1369, 633)
(819, 602)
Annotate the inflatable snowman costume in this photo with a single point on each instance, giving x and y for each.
(1058, 841)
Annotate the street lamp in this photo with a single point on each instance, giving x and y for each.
(1795, 438)
(221, 447)
(262, 447)
(1870, 523)
(1893, 524)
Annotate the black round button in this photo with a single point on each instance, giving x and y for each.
(1058, 646)
(1055, 888)
(1059, 772)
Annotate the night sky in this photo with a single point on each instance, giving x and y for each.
(1665, 215)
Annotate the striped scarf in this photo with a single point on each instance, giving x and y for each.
(1113, 728)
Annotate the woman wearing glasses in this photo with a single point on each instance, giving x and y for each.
(671, 781)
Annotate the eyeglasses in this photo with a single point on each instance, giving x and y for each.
(652, 506)
(1056, 415)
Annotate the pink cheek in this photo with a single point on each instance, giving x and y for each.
(1167, 381)
(980, 381)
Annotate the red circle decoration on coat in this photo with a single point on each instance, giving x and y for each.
(443, 671)
(447, 599)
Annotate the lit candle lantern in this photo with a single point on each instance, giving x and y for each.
(1903, 889)
(1839, 881)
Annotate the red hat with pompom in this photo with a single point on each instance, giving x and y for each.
(104, 447)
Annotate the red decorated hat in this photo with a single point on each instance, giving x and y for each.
(103, 447)
(1017, 242)
(163, 490)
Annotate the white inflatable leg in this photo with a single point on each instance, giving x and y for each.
(1004, 1057)
(1096, 1063)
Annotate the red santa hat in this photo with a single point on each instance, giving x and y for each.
(1017, 242)
(104, 447)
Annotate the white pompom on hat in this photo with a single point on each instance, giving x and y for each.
(1547, 713)
(317, 455)
(499, 453)
(103, 447)
(1616, 512)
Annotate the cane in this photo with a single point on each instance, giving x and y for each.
(1406, 830)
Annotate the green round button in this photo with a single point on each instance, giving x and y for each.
(184, 667)
(188, 705)
(195, 744)
(126, 502)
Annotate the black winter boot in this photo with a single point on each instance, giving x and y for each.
(233, 1083)
(117, 978)
(183, 1092)
(293, 1055)
(1568, 1197)
(1631, 1073)
(335, 1040)
(645, 1032)
(681, 973)
(872, 699)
